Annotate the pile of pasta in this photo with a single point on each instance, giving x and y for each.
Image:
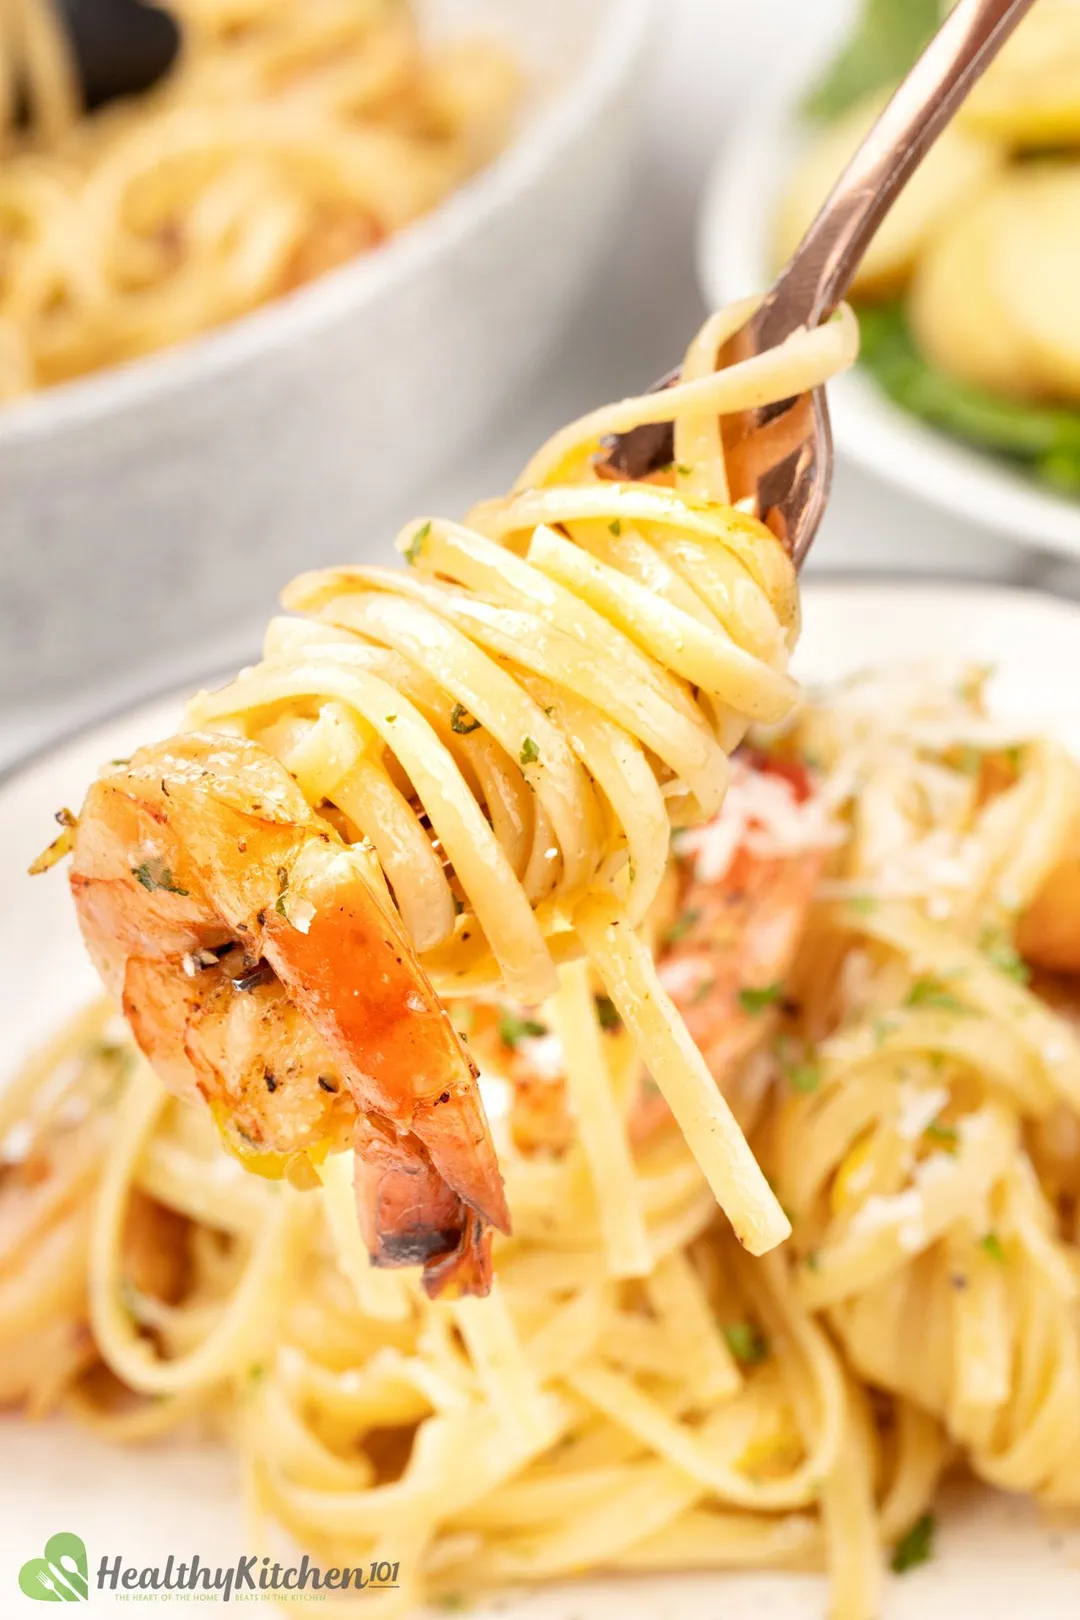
(290, 136)
(638, 1394)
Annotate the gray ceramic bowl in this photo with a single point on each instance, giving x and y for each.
(138, 505)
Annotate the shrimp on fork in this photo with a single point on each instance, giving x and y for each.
(262, 967)
(735, 926)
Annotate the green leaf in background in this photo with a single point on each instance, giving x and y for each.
(888, 37)
(1045, 438)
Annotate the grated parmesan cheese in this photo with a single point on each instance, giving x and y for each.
(301, 913)
(544, 1055)
(902, 1211)
(683, 976)
(919, 1108)
(761, 814)
(16, 1145)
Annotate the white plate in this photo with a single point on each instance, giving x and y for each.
(995, 1558)
(734, 260)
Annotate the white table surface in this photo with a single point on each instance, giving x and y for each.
(711, 59)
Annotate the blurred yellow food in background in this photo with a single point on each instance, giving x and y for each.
(959, 165)
(1038, 274)
(996, 296)
(970, 294)
(954, 308)
(1031, 95)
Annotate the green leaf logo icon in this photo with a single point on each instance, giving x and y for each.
(61, 1575)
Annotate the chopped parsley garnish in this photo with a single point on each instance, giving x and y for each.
(607, 1013)
(803, 1077)
(513, 1029)
(811, 1260)
(156, 875)
(1002, 954)
(683, 470)
(530, 753)
(684, 922)
(947, 1136)
(615, 526)
(914, 1548)
(746, 1342)
(968, 760)
(930, 992)
(862, 904)
(882, 1028)
(703, 991)
(462, 721)
(990, 1244)
(416, 544)
(282, 891)
(753, 999)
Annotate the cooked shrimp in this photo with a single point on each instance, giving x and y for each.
(260, 968)
(1048, 932)
(723, 958)
(728, 968)
(541, 1120)
(733, 941)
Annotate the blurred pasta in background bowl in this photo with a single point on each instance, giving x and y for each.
(266, 297)
(289, 137)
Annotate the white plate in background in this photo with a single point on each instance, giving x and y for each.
(735, 259)
(995, 1558)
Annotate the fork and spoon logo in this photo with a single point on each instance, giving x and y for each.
(61, 1576)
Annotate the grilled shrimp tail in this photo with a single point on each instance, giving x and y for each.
(410, 1216)
(263, 968)
(465, 1269)
(454, 1131)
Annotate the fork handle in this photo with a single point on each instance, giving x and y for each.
(822, 267)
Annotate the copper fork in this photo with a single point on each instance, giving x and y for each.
(780, 457)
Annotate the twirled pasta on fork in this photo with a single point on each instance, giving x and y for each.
(449, 780)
